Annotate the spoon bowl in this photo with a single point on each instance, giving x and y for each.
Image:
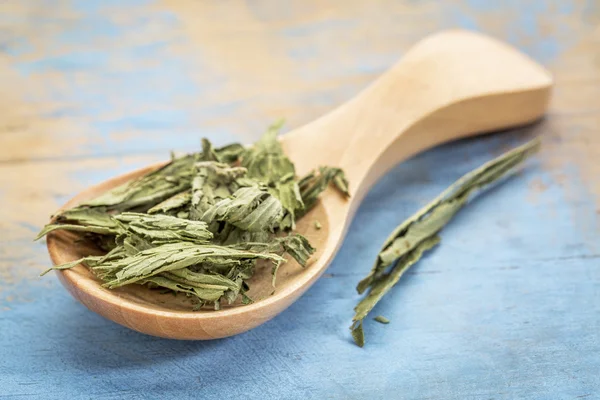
(450, 85)
(163, 314)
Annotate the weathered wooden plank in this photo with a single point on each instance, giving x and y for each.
(212, 78)
(506, 307)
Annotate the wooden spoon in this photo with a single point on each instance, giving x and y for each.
(448, 86)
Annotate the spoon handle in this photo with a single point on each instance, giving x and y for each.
(448, 86)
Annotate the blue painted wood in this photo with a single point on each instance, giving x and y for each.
(507, 307)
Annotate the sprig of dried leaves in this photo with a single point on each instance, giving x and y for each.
(199, 224)
(418, 234)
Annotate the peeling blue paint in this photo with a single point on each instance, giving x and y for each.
(496, 301)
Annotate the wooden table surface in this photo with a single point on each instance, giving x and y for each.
(507, 307)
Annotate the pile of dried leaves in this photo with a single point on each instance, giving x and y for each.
(199, 224)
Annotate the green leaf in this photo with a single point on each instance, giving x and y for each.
(173, 205)
(288, 193)
(196, 278)
(213, 182)
(431, 218)
(208, 152)
(413, 237)
(174, 256)
(204, 294)
(231, 153)
(315, 182)
(149, 190)
(251, 209)
(233, 236)
(385, 283)
(161, 229)
(382, 320)
(83, 219)
(358, 334)
(78, 228)
(298, 247)
(266, 161)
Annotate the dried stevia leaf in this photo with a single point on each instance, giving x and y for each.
(413, 237)
(199, 224)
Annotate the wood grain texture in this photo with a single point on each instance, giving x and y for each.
(506, 308)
